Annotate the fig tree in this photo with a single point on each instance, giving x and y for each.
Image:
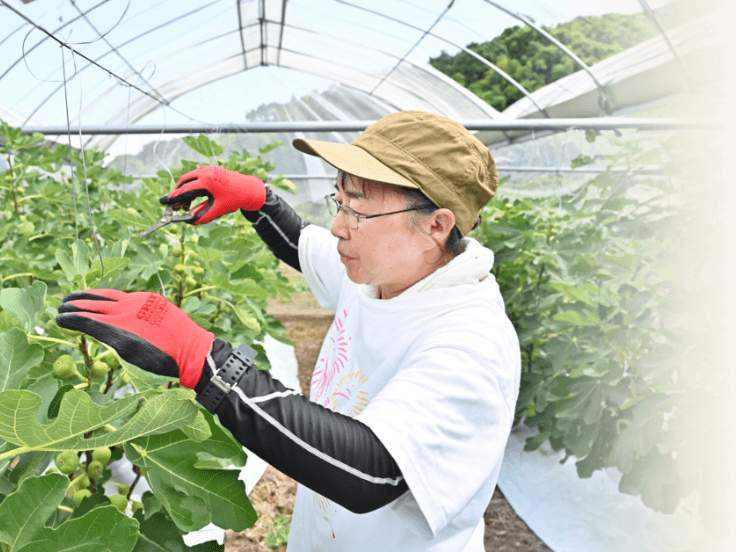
(99, 369)
(64, 367)
(102, 455)
(94, 469)
(119, 501)
(70, 333)
(67, 462)
(80, 495)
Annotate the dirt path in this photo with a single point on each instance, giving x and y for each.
(273, 496)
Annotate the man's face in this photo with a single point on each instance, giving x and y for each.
(384, 252)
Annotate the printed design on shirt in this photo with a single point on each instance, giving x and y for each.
(321, 502)
(334, 360)
(349, 396)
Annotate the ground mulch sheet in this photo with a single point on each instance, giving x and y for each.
(274, 494)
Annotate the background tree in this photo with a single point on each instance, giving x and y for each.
(533, 62)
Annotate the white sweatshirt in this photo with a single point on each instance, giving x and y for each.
(434, 372)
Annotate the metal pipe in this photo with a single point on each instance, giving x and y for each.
(387, 75)
(592, 123)
(468, 51)
(240, 32)
(684, 74)
(281, 32)
(507, 169)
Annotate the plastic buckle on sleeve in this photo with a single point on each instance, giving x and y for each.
(221, 384)
(227, 377)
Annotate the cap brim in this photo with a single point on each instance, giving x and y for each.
(353, 160)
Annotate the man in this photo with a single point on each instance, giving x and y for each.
(413, 395)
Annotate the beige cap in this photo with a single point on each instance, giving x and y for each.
(416, 149)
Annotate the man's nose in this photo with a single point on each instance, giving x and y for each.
(340, 227)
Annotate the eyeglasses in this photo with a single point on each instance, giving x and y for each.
(352, 218)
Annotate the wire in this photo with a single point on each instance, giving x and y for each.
(65, 45)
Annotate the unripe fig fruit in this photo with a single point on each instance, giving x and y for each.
(64, 367)
(111, 359)
(94, 469)
(125, 380)
(190, 283)
(177, 252)
(84, 481)
(119, 501)
(124, 489)
(52, 470)
(99, 369)
(67, 462)
(80, 495)
(135, 506)
(102, 455)
(199, 271)
(180, 269)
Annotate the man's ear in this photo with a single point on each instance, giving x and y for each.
(441, 224)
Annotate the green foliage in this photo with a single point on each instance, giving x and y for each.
(279, 534)
(222, 276)
(612, 373)
(532, 61)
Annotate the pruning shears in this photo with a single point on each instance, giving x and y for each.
(170, 217)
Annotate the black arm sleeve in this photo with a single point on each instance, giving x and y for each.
(279, 227)
(332, 454)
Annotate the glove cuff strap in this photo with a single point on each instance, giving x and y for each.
(226, 377)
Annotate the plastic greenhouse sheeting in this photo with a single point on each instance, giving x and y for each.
(141, 57)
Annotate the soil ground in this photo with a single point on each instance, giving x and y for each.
(273, 496)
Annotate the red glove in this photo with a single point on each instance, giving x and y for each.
(227, 191)
(144, 328)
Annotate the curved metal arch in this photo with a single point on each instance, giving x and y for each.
(432, 26)
(163, 101)
(684, 74)
(281, 32)
(603, 101)
(483, 60)
(408, 90)
(353, 43)
(240, 32)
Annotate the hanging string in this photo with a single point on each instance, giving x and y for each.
(122, 81)
(69, 134)
(140, 76)
(84, 167)
(127, 122)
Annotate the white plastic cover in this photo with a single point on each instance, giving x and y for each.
(141, 55)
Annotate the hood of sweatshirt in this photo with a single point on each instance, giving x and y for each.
(470, 267)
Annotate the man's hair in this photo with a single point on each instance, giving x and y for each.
(415, 198)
